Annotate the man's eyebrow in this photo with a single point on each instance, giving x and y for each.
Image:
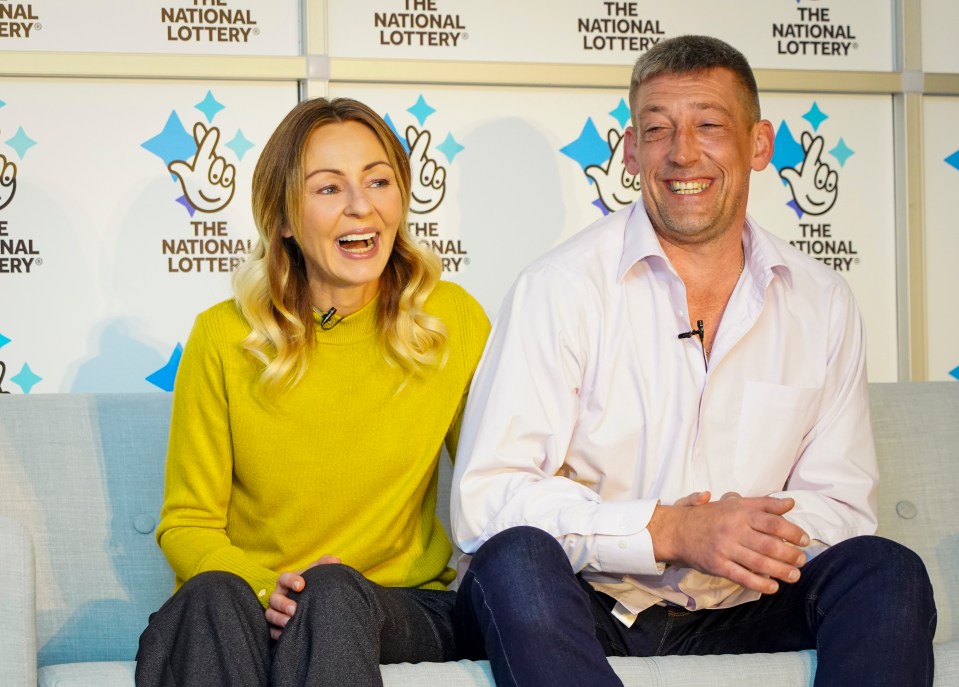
(332, 170)
(699, 105)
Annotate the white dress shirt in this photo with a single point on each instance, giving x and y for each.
(587, 410)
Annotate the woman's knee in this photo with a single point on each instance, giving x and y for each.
(334, 590)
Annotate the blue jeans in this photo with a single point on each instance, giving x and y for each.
(865, 605)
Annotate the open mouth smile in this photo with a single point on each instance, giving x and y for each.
(687, 188)
(357, 243)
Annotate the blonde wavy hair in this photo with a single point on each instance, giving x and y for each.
(271, 288)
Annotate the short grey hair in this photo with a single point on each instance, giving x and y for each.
(688, 54)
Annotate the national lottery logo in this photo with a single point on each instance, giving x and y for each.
(814, 31)
(429, 166)
(202, 167)
(600, 156)
(198, 160)
(18, 252)
(810, 172)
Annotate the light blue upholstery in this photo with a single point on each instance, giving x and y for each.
(82, 480)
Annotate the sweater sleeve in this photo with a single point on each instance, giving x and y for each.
(472, 330)
(199, 469)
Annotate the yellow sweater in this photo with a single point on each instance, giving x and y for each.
(342, 464)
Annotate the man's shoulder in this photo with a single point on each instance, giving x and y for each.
(594, 250)
(804, 271)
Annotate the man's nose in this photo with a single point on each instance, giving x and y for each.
(685, 148)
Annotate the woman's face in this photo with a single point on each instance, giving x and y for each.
(351, 212)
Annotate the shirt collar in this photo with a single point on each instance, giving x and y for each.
(763, 257)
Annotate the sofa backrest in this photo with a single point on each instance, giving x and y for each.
(84, 474)
(916, 426)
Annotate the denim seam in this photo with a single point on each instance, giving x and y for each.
(499, 637)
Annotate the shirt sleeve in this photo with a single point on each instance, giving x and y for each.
(835, 479)
(199, 470)
(517, 428)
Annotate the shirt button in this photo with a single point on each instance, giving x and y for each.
(623, 545)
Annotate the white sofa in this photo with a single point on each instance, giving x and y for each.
(80, 489)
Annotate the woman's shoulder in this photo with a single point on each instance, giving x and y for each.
(223, 320)
(450, 301)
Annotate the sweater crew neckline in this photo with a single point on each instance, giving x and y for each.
(354, 327)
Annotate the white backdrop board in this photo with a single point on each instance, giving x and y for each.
(207, 27)
(106, 256)
(941, 184)
(523, 170)
(940, 21)
(778, 34)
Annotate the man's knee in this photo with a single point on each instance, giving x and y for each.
(885, 567)
(523, 550)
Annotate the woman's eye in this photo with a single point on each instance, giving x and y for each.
(379, 183)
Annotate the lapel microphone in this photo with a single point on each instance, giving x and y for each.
(699, 331)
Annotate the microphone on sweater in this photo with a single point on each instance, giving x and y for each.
(327, 316)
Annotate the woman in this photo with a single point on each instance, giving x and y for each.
(308, 417)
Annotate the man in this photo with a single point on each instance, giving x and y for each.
(667, 446)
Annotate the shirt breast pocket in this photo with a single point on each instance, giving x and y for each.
(773, 423)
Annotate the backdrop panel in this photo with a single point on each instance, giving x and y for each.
(507, 173)
(778, 34)
(112, 234)
(940, 19)
(941, 184)
(214, 27)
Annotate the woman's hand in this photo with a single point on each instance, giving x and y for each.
(282, 607)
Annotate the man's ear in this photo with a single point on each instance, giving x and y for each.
(764, 138)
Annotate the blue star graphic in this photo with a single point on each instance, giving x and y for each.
(601, 205)
(402, 139)
(240, 144)
(26, 379)
(955, 372)
(163, 378)
(421, 110)
(21, 142)
(953, 159)
(621, 113)
(787, 152)
(4, 341)
(173, 143)
(2, 104)
(795, 206)
(589, 149)
(209, 106)
(450, 147)
(182, 200)
(842, 152)
(815, 116)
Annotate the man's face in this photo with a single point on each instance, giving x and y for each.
(693, 146)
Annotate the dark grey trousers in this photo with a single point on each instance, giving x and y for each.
(213, 632)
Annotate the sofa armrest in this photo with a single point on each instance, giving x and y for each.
(18, 610)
